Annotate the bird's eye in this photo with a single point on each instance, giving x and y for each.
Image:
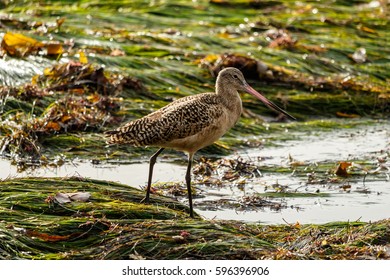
(235, 76)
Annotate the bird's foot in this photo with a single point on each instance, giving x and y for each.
(145, 200)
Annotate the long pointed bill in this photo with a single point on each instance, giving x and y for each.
(268, 103)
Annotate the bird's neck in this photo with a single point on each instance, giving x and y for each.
(223, 89)
(229, 97)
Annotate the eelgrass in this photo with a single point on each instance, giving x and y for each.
(114, 225)
(168, 49)
(312, 73)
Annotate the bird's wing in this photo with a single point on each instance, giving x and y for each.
(190, 117)
(177, 120)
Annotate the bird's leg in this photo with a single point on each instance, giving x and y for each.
(152, 161)
(188, 181)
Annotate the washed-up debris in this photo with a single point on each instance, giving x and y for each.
(382, 167)
(346, 115)
(24, 92)
(182, 237)
(171, 189)
(75, 114)
(19, 45)
(63, 198)
(82, 78)
(360, 55)
(343, 168)
(294, 162)
(250, 67)
(9, 22)
(79, 97)
(252, 202)
(47, 237)
(254, 68)
(280, 38)
(256, 201)
(225, 169)
(232, 171)
(346, 187)
(19, 142)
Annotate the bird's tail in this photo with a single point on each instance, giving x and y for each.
(135, 133)
(114, 137)
(123, 135)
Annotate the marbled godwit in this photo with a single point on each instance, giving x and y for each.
(190, 123)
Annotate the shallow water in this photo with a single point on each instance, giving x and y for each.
(366, 200)
(341, 145)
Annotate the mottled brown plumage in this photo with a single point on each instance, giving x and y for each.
(190, 123)
(178, 120)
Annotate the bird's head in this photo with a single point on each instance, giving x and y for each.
(233, 77)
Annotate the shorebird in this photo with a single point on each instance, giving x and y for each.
(190, 123)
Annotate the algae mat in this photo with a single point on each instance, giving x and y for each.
(70, 70)
(110, 223)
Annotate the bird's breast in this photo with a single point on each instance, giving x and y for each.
(208, 135)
